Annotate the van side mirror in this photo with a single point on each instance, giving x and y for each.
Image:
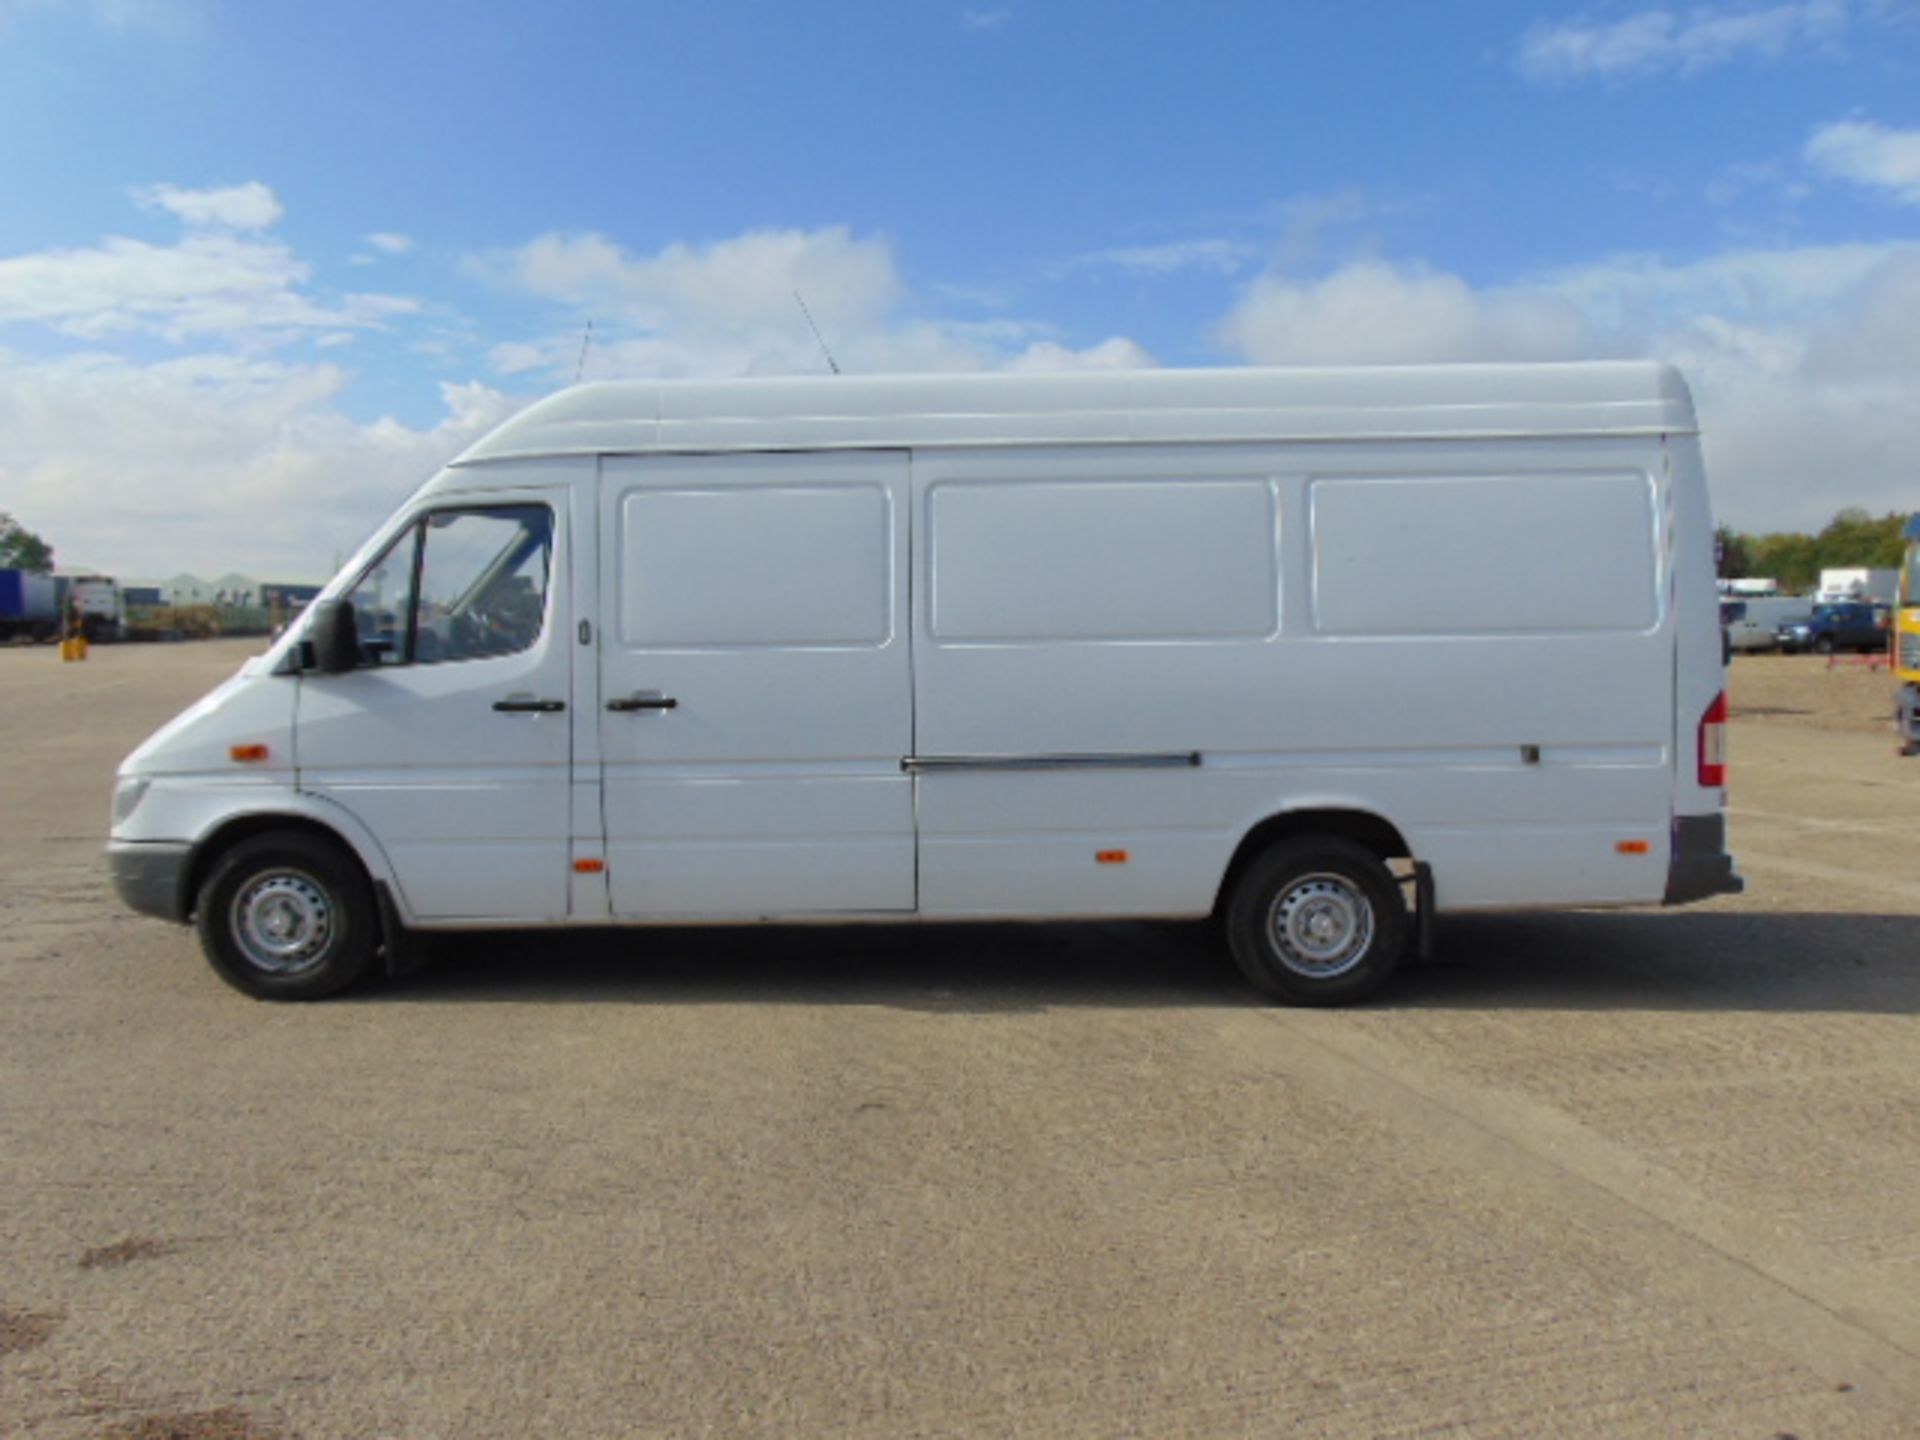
(334, 634)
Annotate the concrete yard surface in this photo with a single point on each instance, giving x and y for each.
(1632, 1173)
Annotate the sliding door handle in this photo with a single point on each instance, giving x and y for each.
(643, 701)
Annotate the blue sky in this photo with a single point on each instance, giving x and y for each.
(264, 265)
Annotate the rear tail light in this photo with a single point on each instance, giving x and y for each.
(1713, 744)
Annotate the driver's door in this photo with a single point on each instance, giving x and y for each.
(451, 741)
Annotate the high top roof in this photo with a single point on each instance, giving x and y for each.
(1091, 408)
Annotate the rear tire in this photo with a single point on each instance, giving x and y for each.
(1317, 922)
(288, 916)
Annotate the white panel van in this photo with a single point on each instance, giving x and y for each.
(1752, 623)
(1322, 653)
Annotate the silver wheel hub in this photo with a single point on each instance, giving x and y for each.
(1320, 926)
(283, 921)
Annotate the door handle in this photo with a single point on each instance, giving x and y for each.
(527, 705)
(643, 702)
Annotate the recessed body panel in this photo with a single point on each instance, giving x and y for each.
(756, 699)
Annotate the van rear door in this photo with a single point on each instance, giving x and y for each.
(756, 697)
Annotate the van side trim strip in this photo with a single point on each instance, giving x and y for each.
(919, 764)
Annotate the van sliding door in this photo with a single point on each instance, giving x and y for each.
(756, 697)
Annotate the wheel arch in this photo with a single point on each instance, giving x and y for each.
(337, 829)
(1344, 822)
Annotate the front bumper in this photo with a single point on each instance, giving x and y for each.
(151, 876)
(1700, 866)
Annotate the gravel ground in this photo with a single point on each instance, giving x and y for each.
(1607, 1174)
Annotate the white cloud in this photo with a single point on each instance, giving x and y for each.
(1803, 417)
(219, 459)
(389, 243)
(207, 283)
(1869, 154)
(115, 16)
(1220, 256)
(728, 307)
(984, 21)
(1657, 41)
(1115, 353)
(211, 463)
(251, 206)
(733, 285)
(1372, 312)
(215, 280)
(1804, 361)
(1736, 181)
(1787, 290)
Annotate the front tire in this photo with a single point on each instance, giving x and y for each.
(287, 916)
(1317, 922)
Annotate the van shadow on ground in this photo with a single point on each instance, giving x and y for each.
(1649, 960)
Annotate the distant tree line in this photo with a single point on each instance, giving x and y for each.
(1852, 538)
(21, 549)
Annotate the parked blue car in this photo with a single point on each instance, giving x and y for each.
(1850, 625)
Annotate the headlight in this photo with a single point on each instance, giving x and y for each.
(127, 796)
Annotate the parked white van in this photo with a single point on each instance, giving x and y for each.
(1322, 653)
(1752, 623)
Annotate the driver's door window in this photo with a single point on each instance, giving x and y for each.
(459, 585)
(483, 582)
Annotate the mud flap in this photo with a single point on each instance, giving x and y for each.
(404, 952)
(1422, 882)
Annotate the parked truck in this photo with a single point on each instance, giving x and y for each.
(29, 606)
(1175, 644)
(96, 602)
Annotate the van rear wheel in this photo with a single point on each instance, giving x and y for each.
(287, 916)
(1317, 922)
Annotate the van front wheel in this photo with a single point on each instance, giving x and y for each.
(1317, 922)
(287, 916)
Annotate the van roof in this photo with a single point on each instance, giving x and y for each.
(1091, 408)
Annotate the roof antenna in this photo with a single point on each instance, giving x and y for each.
(831, 365)
(580, 366)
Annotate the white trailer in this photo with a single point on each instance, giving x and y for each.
(1323, 653)
(1881, 585)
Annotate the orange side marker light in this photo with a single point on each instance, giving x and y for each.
(1109, 857)
(589, 867)
(248, 754)
(1634, 847)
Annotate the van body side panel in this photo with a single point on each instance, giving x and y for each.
(765, 597)
(1351, 627)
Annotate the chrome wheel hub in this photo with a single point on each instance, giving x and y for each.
(1320, 926)
(283, 921)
